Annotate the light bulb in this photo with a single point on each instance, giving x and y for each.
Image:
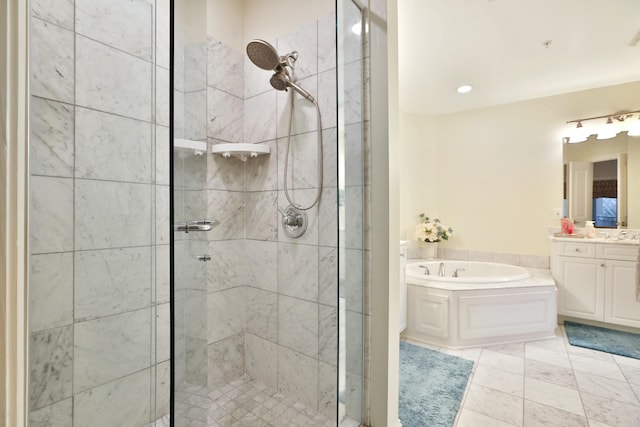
(578, 134)
(608, 131)
(634, 128)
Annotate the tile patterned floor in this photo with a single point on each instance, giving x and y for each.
(549, 383)
(241, 403)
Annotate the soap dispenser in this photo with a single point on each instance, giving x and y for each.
(590, 229)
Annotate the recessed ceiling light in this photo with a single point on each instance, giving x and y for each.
(464, 89)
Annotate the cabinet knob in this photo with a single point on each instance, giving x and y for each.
(577, 249)
(602, 265)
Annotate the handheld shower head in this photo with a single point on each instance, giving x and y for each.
(281, 81)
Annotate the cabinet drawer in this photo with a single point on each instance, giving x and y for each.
(583, 250)
(620, 252)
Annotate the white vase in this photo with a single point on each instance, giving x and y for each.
(430, 251)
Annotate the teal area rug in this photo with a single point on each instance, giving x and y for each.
(603, 339)
(432, 385)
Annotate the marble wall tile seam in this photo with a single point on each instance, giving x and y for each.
(88, 390)
(76, 105)
(148, 61)
(94, 318)
(288, 295)
(115, 181)
(52, 23)
(221, 90)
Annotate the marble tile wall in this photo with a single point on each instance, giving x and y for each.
(99, 163)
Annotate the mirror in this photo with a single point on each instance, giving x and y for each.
(601, 181)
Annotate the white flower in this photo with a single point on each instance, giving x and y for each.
(431, 230)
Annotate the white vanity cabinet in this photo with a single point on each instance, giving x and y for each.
(596, 281)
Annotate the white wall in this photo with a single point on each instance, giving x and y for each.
(499, 169)
(225, 22)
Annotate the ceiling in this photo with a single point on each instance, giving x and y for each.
(498, 47)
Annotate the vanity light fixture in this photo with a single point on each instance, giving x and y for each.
(614, 124)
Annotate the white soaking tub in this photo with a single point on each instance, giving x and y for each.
(486, 304)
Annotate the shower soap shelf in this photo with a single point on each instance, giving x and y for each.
(184, 147)
(240, 150)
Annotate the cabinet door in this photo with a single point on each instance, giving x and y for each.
(620, 296)
(581, 291)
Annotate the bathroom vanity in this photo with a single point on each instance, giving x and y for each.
(596, 279)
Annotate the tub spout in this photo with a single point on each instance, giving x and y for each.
(426, 270)
(441, 272)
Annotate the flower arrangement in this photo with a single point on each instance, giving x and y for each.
(431, 230)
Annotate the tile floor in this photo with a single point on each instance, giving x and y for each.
(549, 383)
(241, 403)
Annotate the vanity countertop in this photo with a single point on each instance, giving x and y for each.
(610, 240)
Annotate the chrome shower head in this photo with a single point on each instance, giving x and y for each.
(263, 54)
(279, 80)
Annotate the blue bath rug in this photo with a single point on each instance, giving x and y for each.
(603, 339)
(432, 385)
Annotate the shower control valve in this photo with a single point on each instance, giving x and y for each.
(294, 221)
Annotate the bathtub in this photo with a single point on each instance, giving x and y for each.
(486, 304)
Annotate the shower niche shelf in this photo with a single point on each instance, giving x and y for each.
(241, 151)
(186, 147)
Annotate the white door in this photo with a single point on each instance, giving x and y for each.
(580, 191)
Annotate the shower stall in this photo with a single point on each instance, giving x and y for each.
(199, 206)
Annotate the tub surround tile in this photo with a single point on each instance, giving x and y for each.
(58, 12)
(534, 261)
(111, 281)
(51, 222)
(111, 147)
(52, 62)
(124, 401)
(227, 267)
(98, 361)
(259, 118)
(305, 118)
(104, 80)
(261, 215)
(298, 271)
(298, 376)
(51, 291)
(225, 360)
(102, 207)
(262, 313)
(225, 116)
(537, 415)
(262, 270)
(228, 174)
(51, 143)
(230, 77)
(261, 360)
(123, 24)
(298, 325)
(59, 414)
(495, 404)
(225, 314)
(50, 366)
(228, 208)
